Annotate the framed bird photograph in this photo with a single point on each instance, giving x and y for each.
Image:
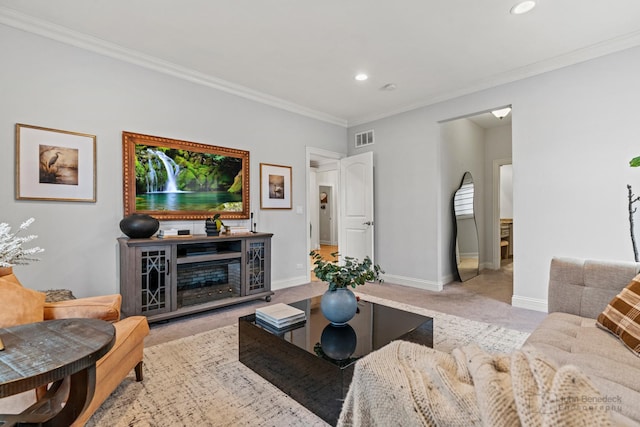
(275, 186)
(55, 164)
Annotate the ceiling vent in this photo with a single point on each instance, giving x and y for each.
(364, 138)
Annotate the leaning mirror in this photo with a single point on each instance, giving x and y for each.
(467, 256)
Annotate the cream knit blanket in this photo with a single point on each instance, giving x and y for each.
(405, 384)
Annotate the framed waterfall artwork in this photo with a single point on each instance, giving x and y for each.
(171, 179)
(275, 186)
(55, 165)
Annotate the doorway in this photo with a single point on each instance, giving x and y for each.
(348, 180)
(482, 143)
(327, 223)
(505, 201)
(323, 204)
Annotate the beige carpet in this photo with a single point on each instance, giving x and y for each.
(198, 380)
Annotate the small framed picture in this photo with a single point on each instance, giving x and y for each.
(55, 164)
(275, 186)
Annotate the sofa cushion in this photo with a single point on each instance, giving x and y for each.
(104, 307)
(622, 315)
(584, 287)
(20, 305)
(568, 339)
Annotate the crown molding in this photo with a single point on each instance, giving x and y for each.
(62, 34)
(597, 50)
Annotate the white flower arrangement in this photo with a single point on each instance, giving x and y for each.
(11, 250)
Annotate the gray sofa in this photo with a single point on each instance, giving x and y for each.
(579, 290)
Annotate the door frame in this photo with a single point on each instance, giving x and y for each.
(319, 152)
(495, 218)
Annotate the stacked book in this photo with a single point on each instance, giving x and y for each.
(280, 317)
(239, 230)
(173, 233)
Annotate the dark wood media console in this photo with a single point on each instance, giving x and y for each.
(171, 277)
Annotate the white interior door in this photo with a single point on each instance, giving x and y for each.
(355, 237)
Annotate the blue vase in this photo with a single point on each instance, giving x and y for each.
(339, 306)
(338, 342)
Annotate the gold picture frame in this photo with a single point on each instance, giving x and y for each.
(171, 179)
(275, 186)
(55, 165)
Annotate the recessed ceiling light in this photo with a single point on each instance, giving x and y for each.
(389, 86)
(523, 7)
(361, 77)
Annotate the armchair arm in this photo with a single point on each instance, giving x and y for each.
(106, 307)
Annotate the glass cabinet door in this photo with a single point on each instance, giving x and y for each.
(258, 274)
(154, 279)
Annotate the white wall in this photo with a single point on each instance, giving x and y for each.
(498, 148)
(314, 221)
(463, 148)
(574, 131)
(506, 191)
(49, 84)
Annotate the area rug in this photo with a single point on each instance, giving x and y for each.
(198, 380)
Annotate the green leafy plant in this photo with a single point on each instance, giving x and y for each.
(351, 273)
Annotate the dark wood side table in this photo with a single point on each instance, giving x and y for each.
(51, 352)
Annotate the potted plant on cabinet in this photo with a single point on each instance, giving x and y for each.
(338, 303)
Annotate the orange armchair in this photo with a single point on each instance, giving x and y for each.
(27, 306)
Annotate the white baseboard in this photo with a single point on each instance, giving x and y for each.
(414, 283)
(487, 266)
(294, 281)
(530, 303)
(448, 279)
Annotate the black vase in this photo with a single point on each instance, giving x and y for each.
(139, 226)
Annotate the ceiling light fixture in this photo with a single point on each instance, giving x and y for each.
(523, 7)
(389, 86)
(361, 77)
(501, 113)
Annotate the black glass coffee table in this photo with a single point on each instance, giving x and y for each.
(313, 363)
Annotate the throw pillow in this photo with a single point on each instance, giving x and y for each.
(20, 305)
(622, 315)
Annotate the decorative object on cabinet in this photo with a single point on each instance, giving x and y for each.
(55, 164)
(139, 226)
(171, 179)
(167, 278)
(466, 256)
(275, 186)
(214, 225)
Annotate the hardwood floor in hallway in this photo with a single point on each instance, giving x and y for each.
(325, 252)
